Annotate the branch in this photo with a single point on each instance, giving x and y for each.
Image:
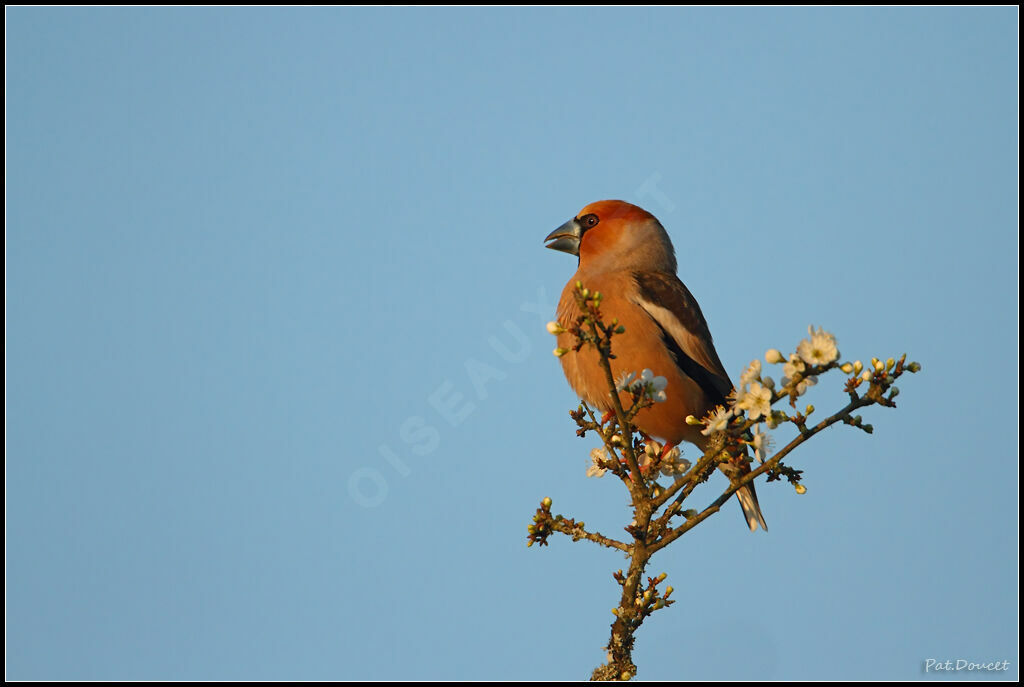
(731, 431)
(770, 464)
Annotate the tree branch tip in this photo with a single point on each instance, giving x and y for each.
(733, 435)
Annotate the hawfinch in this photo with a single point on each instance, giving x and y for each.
(625, 253)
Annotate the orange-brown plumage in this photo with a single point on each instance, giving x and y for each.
(625, 253)
(636, 349)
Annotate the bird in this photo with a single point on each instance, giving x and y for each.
(625, 254)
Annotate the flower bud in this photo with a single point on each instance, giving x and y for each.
(546, 502)
(691, 420)
(846, 367)
(879, 365)
(774, 356)
(857, 367)
(914, 367)
(894, 392)
(889, 364)
(801, 489)
(866, 376)
(555, 328)
(809, 409)
(559, 352)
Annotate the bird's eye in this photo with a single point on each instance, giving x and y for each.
(589, 221)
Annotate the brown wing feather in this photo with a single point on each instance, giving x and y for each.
(684, 330)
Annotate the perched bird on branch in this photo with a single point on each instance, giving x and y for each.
(626, 255)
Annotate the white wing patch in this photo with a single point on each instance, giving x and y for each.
(695, 346)
(691, 343)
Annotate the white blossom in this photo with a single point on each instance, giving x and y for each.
(651, 385)
(737, 394)
(806, 384)
(718, 421)
(657, 383)
(792, 368)
(644, 459)
(820, 349)
(625, 381)
(673, 464)
(751, 374)
(596, 456)
(761, 443)
(757, 402)
(773, 356)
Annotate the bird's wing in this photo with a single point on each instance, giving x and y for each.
(684, 331)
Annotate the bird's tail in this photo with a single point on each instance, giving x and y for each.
(751, 510)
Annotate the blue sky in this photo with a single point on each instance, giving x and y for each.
(280, 402)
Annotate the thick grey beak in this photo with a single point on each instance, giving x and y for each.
(566, 238)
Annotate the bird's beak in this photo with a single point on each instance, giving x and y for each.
(566, 238)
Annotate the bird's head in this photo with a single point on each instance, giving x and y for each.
(613, 235)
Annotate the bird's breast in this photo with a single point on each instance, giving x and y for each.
(640, 347)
